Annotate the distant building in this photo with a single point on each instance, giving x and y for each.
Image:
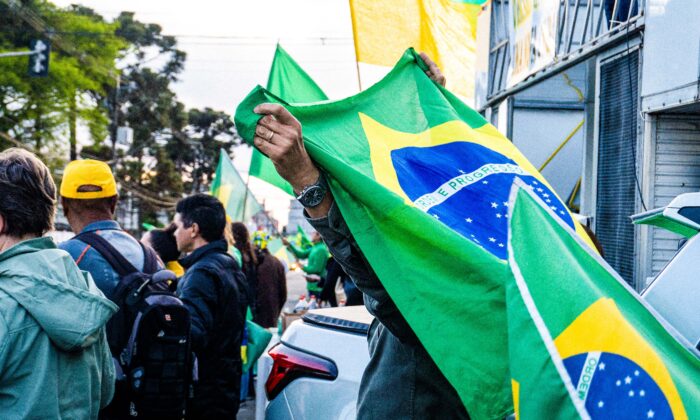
(296, 218)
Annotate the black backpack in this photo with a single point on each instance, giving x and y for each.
(149, 338)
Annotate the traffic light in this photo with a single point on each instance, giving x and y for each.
(39, 59)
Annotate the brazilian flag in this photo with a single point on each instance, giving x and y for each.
(581, 342)
(229, 188)
(288, 80)
(423, 182)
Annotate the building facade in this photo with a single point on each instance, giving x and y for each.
(604, 95)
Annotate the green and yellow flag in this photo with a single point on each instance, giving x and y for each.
(289, 81)
(445, 29)
(229, 188)
(423, 182)
(581, 342)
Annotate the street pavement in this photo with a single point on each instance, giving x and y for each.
(296, 286)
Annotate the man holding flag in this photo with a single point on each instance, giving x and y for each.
(401, 380)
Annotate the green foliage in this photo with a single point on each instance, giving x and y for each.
(174, 151)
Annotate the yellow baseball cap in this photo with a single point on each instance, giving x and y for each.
(85, 179)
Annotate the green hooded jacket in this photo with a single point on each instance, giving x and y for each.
(54, 358)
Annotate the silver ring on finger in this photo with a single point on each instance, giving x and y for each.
(272, 134)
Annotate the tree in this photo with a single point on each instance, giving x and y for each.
(39, 111)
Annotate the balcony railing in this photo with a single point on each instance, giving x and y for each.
(583, 27)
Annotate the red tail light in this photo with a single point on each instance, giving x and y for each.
(290, 364)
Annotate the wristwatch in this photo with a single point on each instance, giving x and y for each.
(312, 195)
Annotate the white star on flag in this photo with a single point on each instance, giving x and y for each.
(501, 245)
(601, 366)
(485, 182)
(601, 404)
(540, 190)
(642, 393)
(545, 195)
(650, 414)
(492, 239)
(534, 182)
(469, 220)
(499, 215)
(494, 205)
(505, 203)
(628, 380)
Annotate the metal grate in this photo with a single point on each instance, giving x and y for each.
(616, 192)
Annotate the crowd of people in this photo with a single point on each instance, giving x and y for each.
(68, 312)
(113, 327)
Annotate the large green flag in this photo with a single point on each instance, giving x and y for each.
(581, 340)
(229, 188)
(289, 81)
(423, 182)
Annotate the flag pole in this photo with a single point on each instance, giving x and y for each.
(359, 81)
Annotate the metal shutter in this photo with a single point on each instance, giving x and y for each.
(676, 171)
(617, 142)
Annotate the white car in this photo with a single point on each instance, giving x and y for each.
(314, 371)
(675, 292)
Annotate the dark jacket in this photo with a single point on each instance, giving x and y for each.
(271, 290)
(401, 380)
(213, 290)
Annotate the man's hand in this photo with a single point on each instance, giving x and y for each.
(278, 135)
(433, 70)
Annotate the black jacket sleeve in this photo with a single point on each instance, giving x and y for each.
(198, 292)
(342, 245)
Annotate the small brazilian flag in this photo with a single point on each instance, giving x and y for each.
(423, 182)
(581, 342)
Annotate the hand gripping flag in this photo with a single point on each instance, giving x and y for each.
(289, 81)
(581, 342)
(423, 182)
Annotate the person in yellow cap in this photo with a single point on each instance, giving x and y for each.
(89, 199)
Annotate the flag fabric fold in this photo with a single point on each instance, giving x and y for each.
(423, 183)
(581, 342)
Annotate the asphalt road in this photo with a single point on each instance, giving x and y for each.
(296, 286)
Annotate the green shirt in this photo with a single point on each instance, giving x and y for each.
(317, 256)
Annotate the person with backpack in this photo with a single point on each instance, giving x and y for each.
(89, 199)
(54, 358)
(214, 291)
(149, 337)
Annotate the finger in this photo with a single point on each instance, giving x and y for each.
(264, 133)
(430, 63)
(273, 125)
(279, 112)
(268, 149)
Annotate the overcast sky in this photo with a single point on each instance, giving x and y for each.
(230, 44)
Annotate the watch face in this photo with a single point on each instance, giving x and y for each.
(313, 196)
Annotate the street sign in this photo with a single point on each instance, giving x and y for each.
(39, 59)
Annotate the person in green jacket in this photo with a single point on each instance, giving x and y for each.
(317, 257)
(54, 358)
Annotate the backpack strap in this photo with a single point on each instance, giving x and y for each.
(150, 260)
(109, 253)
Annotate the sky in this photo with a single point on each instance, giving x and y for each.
(230, 44)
